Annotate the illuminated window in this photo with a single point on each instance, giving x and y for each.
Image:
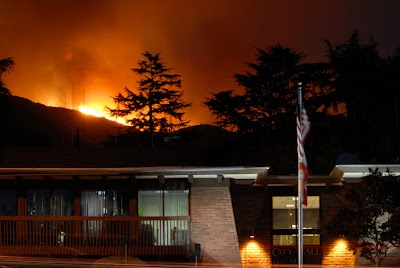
(159, 203)
(104, 203)
(163, 202)
(285, 220)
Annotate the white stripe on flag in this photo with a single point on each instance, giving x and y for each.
(303, 128)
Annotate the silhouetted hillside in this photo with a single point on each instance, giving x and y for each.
(34, 124)
(59, 137)
(36, 135)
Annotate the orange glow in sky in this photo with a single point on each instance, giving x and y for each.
(69, 52)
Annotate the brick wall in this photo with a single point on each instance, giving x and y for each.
(252, 214)
(223, 220)
(213, 225)
(335, 253)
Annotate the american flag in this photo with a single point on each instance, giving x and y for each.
(303, 128)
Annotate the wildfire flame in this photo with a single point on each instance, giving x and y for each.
(94, 112)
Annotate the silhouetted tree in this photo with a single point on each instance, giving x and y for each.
(271, 87)
(358, 82)
(267, 107)
(270, 91)
(392, 86)
(391, 74)
(6, 65)
(157, 101)
(367, 85)
(230, 110)
(367, 214)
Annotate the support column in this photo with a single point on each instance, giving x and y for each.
(213, 225)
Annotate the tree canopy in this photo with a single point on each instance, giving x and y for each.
(6, 65)
(366, 84)
(157, 100)
(358, 73)
(352, 100)
(367, 214)
(269, 92)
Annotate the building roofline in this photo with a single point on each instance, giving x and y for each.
(289, 180)
(234, 172)
(353, 173)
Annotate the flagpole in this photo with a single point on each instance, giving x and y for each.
(300, 194)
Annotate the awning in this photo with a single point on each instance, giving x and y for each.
(163, 172)
(353, 173)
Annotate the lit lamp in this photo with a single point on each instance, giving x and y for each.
(252, 234)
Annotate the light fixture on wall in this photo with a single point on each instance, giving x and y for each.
(252, 234)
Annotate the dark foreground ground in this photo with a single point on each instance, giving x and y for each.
(113, 261)
(119, 262)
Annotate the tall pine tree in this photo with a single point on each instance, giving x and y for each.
(158, 99)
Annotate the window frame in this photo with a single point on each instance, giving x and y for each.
(48, 198)
(294, 231)
(163, 201)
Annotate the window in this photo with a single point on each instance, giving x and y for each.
(49, 203)
(104, 203)
(164, 203)
(8, 203)
(285, 220)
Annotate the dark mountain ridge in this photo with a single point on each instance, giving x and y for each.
(36, 135)
(33, 124)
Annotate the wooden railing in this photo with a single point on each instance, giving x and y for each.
(80, 235)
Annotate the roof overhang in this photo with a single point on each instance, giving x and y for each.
(289, 180)
(163, 172)
(353, 173)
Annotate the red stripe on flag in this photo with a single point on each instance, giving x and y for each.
(303, 128)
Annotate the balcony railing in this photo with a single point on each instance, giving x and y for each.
(81, 235)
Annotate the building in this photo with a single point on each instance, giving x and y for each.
(230, 216)
(153, 211)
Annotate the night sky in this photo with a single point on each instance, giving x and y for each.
(206, 41)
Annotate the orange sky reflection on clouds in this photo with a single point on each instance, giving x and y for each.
(205, 41)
